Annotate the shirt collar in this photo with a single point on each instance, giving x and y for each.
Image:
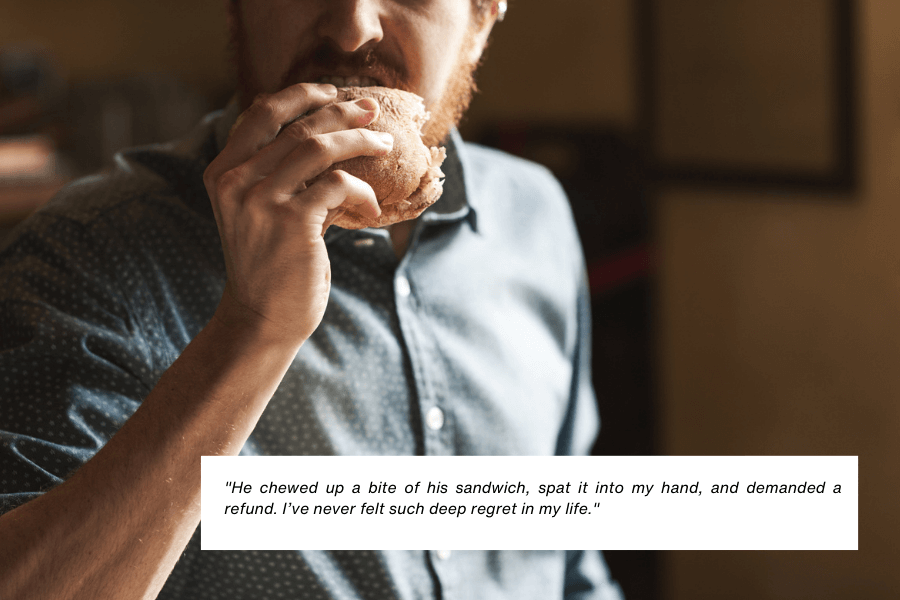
(457, 202)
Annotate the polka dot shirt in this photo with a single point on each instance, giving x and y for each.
(475, 343)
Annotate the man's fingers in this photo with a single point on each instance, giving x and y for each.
(262, 121)
(331, 218)
(315, 154)
(336, 192)
(340, 115)
(337, 117)
(258, 125)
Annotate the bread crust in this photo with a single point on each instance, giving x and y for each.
(408, 179)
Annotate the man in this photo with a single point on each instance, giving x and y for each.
(188, 304)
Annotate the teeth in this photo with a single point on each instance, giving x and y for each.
(352, 81)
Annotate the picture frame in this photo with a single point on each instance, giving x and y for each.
(748, 92)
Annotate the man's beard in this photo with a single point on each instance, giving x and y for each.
(446, 112)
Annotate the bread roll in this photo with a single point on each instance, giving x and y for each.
(408, 179)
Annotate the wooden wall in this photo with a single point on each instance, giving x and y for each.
(98, 39)
(780, 334)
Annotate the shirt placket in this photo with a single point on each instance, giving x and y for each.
(429, 380)
(431, 387)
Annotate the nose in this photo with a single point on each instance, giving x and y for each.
(352, 24)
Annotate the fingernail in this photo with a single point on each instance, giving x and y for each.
(386, 139)
(367, 104)
(328, 88)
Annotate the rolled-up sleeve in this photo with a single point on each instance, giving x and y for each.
(73, 360)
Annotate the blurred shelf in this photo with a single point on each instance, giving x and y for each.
(20, 200)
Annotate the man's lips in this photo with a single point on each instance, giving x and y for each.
(348, 81)
(326, 63)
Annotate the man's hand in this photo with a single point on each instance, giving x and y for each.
(271, 224)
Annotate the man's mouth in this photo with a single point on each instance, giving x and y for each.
(351, 81)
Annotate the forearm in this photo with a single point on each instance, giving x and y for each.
(117, 527)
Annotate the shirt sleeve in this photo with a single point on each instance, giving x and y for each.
(587, 576)
(74, 364)
(581, 421)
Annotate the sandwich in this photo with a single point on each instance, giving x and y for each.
(408, 179)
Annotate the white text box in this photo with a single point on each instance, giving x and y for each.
(762, 503)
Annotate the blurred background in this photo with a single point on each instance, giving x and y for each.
(734, 170)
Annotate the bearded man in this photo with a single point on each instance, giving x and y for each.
(187, 303)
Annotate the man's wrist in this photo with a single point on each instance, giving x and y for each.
(234, 322)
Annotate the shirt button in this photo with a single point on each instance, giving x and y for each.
(444, 554)
(435, 418)
(403, 286)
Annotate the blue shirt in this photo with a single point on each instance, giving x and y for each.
(476, 342)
